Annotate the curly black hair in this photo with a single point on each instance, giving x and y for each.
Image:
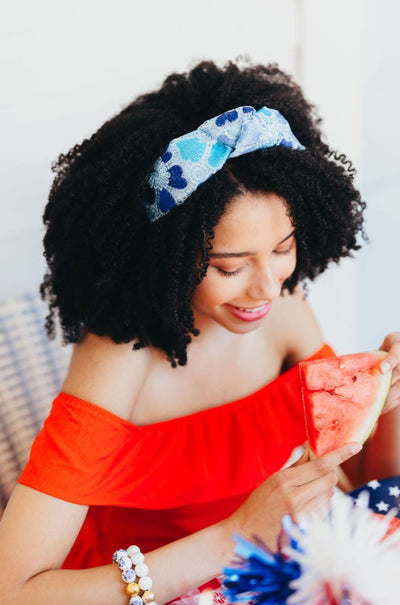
(113, 272)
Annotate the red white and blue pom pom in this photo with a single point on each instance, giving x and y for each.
(335, 559)
(260, 575)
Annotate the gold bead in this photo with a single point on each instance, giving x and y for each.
(133, 589)
(148, 596)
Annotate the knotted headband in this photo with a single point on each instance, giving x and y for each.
(192, 158)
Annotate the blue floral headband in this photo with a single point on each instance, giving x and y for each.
(194, 157)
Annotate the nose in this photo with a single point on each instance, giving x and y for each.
(265, 285)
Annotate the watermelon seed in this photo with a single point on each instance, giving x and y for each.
(354, 378)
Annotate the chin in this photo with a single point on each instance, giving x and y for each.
(243, 328)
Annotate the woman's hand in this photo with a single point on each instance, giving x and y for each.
(297, 490)
(391, 344)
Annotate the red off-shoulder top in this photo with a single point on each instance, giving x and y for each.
(153, 484)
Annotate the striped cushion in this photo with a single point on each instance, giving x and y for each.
(32, 369)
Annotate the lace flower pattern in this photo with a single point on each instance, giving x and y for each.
(193, 158)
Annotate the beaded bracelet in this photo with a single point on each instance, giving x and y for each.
(135, 575)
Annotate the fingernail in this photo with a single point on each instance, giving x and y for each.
(355, 447)
(385, 367)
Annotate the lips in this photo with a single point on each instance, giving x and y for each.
(249, 313)
(252, 310)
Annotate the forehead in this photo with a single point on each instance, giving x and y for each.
(253, 218)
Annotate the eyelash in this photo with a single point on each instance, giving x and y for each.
(287, 251)
(233, 273)
(228, 273)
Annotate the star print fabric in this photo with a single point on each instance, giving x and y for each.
(384, 495)
(381, 496)
(194, 157)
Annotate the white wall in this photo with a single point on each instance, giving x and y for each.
(356, 83)
(68, 67)
(65, 68)
(333, 63)
(379, 276)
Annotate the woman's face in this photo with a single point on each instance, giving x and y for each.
(254, 252)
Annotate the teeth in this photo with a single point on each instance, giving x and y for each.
(251, 310)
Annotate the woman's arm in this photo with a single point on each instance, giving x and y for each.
(382, 452)
(37, 532)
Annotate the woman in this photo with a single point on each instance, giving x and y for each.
(176, 240)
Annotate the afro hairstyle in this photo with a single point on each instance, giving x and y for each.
(112, 272)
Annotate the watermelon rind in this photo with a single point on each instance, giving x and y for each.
(368, 422)
(377, 407)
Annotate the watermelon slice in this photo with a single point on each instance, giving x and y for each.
(343, 397)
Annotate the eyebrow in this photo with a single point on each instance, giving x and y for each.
(245, 252)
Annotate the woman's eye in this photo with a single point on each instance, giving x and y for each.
(286, 250)
(227, 273)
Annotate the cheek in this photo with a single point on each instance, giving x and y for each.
(285, 265)
(214, 289)
(290, 264)
(203, 292)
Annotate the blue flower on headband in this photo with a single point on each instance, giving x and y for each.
(218, 155)
(228, 116)
(194, 157)
(191, 149)
(164, 178)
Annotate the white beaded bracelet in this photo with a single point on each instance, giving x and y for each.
(135, 575)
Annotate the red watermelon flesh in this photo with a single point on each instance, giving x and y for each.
(343, 397)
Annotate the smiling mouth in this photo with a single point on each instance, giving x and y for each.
(252, 309)
(249, 313)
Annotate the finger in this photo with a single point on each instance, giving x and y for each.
(338, 456)
(393, 399)
(305, 456)
(319, 505)
(344, 482)
(391, 345)
(391, 361)
(293, 497)
(295, 456)
(394, 368)
(390, 340)
(312, 489)
(316, 495)
(321, 466)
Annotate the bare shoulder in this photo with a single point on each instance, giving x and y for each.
(295, 327)
(107, 374)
